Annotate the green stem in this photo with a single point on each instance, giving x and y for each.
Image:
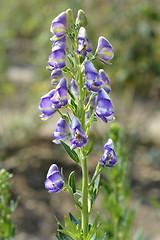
(84, 212)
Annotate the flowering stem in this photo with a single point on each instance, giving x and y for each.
(84, 212)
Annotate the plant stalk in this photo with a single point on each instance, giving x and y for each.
(84, 212)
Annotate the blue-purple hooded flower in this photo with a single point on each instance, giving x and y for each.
(53, 100)
(93, 79)
(84, 44)
(54, 182)
(104, 108)
(59, 25)
(104, 50)
(58, 57)
(79, 138)
(59, 98)
(46, 105)
(109, 157)
(106, 84)
(62, 131)
(56, 76)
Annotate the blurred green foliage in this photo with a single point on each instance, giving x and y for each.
(7, 207)
(116, 193)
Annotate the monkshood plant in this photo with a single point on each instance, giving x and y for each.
(7, 207)
(83, 91)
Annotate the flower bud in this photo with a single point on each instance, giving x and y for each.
(69, 17)
(81, 19)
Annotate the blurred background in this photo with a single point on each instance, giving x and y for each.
(26, 148)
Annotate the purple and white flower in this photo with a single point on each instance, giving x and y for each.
(109, 157)
(106, 84)
(104, 50)
(84, 44)
(59, 25)
(57, 59)
(61, 132)
(56, 75)
(59, 98)
(54, 182)
(53, 100)
(93, 79)
(79, 138)
(46, 106)
(104, 108)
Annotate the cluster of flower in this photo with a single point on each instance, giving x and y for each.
(94, 84)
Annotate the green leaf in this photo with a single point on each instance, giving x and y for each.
(70, 57)
(73, 104)
(89, 146)
(66, 69)
(70, 229)
(71, 182)
(73, 219)
(70, 152)
(93, 228)
(62, 236)
(103, 237)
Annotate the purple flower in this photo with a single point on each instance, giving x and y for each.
(53, 100)
(61, 132)
(104, 50)
(59, 25)
(46, 106)
(109, 157)
(58, 56)
(84, 44)
(104, 109)
(74, 89)
(106, 84)
(54, 182)
(79, 138)
(59, 98)
(93, 79)
(56, 75)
